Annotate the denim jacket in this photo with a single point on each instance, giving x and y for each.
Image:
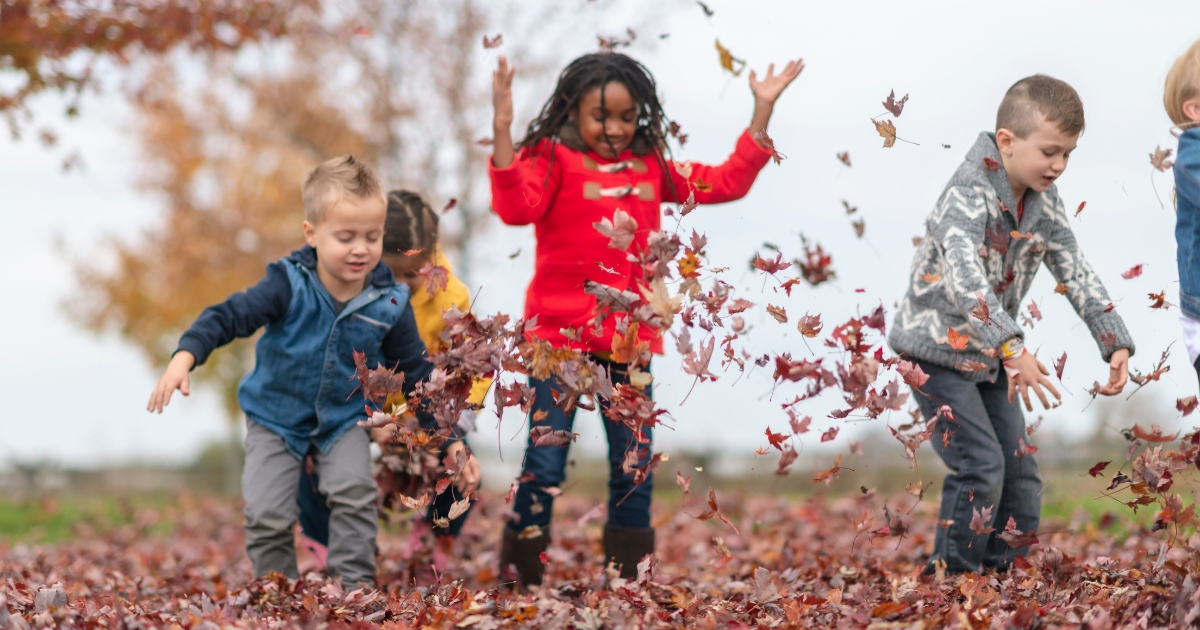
(303, 385)
(1187, 221)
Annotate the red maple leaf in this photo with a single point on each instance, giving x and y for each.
(955, 340)
(776, 439)
(772, 266)
(980, 521)
(437, 277)
(980, 311)
(894, 106)
(1098, 468)
(1186, 406)
(1133, 272)
(1059, 364)
(830, 434)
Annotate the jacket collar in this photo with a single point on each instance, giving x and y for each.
(985, 147)
(381, 276)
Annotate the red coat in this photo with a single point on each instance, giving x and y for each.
(577, 194)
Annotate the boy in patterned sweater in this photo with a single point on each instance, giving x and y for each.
(997, 221)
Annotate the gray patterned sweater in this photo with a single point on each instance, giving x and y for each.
(969, 247)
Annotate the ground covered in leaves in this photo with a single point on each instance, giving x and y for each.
(790, 563)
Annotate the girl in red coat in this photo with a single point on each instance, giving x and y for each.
(597, 147)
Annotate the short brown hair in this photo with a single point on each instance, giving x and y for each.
(333, 180)
(1039, 94)
(1183, 84)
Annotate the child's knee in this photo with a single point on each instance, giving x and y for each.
(352, 491)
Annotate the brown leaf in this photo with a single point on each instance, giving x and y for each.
(1159, 160)
(620, 230)
(894, 106)
(778, 312)
(809, 325)
(492, 42)
(1186, 405)
(1133, 272)
(980, 521)
(730, 63)
(887, 131)
(844, 157)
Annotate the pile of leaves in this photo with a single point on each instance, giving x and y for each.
(776, 562)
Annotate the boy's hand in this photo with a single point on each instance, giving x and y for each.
(176, 377)
(467, 480)
(767, 91)
(502, 118)
(1118, 373)
(1026, 371)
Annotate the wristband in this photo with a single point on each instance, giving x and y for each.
(1012, 348)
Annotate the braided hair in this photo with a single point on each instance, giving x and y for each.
(596, 70)
(411, 224)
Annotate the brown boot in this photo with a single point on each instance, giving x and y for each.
(627, 547)
(521, 558)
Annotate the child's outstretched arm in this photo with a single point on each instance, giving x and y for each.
(502, 118)
(240, 315)
(767, 91)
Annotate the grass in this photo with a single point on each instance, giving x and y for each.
(50, 518)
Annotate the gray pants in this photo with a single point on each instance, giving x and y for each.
(985, 471)
(269, 484)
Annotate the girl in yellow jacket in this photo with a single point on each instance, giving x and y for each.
(409, 242)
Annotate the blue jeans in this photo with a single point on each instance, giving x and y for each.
(985, 471)
(315, 513)
(628, 504)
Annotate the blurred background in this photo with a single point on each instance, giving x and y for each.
(153, 166)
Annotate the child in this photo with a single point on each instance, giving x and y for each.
(319, 305)
(597, 147)
(1182, 101)
(410, 237)
(969, 255)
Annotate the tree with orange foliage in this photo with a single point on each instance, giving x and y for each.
(57, 44)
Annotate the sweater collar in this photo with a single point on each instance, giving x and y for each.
(986, 152)
(381, 275)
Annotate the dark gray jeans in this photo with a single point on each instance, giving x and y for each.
(981, 453)
(269, 484)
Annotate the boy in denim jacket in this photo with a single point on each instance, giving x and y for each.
(997, 221)
(1181, 97)
(319, 305)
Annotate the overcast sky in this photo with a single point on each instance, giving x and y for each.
(77, 399)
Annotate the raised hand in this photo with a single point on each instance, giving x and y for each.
(502, 117)
(767, 91)
(772, 85)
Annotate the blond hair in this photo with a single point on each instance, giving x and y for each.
(1040, 94)
(334, 180)
(1183, 84)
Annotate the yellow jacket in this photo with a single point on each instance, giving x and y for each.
(428, 311)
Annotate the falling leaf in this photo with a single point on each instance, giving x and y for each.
(684, 483)
(1061, 289)
(844, 157)
(887, 131)
(728, 61)
(765, 141)
(1081, 205)
(458, 508)
(1159, 300)
(931, 278)
(1133, 272)
(1098, 468)
(912, 374)
(1155, 434)
(620, 230)
(828, 475)
(1159, 160)
(1186, 405)
(1059, 364)
(514, 255)
(809, 325)
(799, 426)
(860, 226)
(980, 521)
(955, 340)
(778, 312)
(980, 311)
(492, 42)
(830, 434)
(971, 366)
(437, 277)
(894, 106)
(707, 11)
(992, 165)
